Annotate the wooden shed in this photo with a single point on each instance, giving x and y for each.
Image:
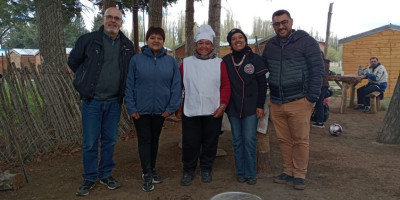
(23, 57)
(383, 43)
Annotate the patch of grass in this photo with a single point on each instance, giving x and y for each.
(385, 103)
(335, 69)
(337, 93)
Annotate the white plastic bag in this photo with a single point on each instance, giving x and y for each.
(262, 126)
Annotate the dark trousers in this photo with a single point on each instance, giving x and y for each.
(363, 91)
(200, 136)
(148, 128)
(319, 106)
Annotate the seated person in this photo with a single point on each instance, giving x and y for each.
(377, 81)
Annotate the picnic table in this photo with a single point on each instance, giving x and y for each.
(345, 82)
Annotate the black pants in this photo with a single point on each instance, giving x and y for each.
(148, 128)
(363, 91)
(319, 106)
(200, 136)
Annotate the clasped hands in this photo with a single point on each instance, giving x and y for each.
(136, 115)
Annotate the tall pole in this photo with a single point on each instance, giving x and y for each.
(328, 31)
(135, 25)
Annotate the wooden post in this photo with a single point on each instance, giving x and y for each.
(328, 31)
(375, 102)
(352, 94)
(263, 155)
(344, 97)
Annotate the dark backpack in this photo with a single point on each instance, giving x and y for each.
(326, 113)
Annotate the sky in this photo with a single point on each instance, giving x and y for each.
(349, 17)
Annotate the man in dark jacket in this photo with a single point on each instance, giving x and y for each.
(296, 67)
(100, 62)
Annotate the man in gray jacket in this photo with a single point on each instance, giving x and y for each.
(296, 67)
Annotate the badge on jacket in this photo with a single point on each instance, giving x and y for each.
(249, 69)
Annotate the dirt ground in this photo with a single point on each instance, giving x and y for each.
(351, 166)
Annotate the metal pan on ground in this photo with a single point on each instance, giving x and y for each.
(235, 196)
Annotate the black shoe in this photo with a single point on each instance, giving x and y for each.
(110, 182)
(299, 183)
(156, 178)
(148, 183)
(283, 178)
(359, 107)
(206, 176)
(367, 109)
(240, 178)
(83, 190)
(251, 180)
(318, 124)
(186, 179)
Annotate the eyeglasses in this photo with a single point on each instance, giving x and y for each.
(284, 23)
(110, 17)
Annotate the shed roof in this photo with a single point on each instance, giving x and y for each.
(33, 52)
(26, 52)
(68, 50)
(3, 52)
(367, 33)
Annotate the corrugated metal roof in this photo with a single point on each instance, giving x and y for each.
(26, 52)
(3, 52)
(367, 33)
(31, 52)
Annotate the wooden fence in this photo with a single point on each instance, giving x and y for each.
(39, 109)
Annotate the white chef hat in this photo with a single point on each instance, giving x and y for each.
(205, 32)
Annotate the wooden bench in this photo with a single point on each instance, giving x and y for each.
(375, 101)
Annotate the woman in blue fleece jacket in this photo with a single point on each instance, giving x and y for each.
(153, 92)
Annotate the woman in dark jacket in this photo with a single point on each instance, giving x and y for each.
(246, 72)
(153, 92)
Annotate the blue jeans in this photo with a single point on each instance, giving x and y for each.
(244, 132)
(363, 91)
(100, 124)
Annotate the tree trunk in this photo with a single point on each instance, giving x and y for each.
(51, 33)
(189, 25)
(135, 25)
(108, 3)
(328, 31)
(155, 13)
(55, 84)
(214, 20)
(390, 132)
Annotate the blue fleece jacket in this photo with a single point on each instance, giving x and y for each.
(153, 83)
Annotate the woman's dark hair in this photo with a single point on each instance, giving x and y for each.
(155, 30)
(281, 12)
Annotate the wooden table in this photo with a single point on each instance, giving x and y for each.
(345, 82)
